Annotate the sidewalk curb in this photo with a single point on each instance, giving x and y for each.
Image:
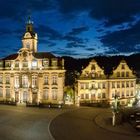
(98, 120)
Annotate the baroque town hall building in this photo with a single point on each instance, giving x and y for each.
(31, 76)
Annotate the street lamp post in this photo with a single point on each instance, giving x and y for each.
(115, 109)
(116, 103)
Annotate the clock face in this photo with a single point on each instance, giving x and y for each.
(27, 45)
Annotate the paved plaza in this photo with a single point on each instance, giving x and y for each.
(68, 123)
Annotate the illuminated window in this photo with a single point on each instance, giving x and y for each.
(99, 85)
(25, 64)
(122, 94)
(82, 96)
(16, 81)
(87, 85)
(7, 80)
(113, 84)
(1, 63)
(34, 64)
(1, 79)
(118, 74)
(7, 93)
(34, 81)
(132, 94)
(17, 64)
(104, 85)
(45, 62)
(54, 62)
(1, 92)
(87, 96)
(132, 84)
(92, 96)
(118, 94)
(118, 84)
(7, 64)
(46, 80)
(127, 84)
(127, 74)
(82, 86)
(54, 94)
(45, 94)
(122, 74)
(54, 80)
(93, 86)
(123, 66)
(127, 93)
(93, 67)
(103, 95)
(24, 81)
(123, 84)
(99, 95)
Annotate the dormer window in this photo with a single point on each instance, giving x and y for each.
(1, 63)
(54, 62)
(46, 62)
(17, 64)
(7, 64)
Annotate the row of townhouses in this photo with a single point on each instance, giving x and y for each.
(38, 77)
(95, 86)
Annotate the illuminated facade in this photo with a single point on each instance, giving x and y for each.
(31, 76)
(95, 86)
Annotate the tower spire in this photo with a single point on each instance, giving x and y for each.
(29, 25)
(29, 21)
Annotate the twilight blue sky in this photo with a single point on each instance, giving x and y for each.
(78, 28)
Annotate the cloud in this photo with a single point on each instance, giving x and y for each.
(90, 49)
(79, 30)
(65, 53)
(19, 9)
(47, 42)
(46, 31)
(123, 41)
(113, 12)
(74, 45)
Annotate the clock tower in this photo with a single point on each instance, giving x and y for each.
(30, 39)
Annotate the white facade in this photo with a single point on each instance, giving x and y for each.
(95, 86)
(31, 76)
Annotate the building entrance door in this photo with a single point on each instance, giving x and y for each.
(34, 96)
(17, 96)
(25, 96)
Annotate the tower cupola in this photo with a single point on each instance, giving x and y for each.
(30, 39)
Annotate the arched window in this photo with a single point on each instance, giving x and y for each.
(34, 81)
(25, 81)
(16, 81)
